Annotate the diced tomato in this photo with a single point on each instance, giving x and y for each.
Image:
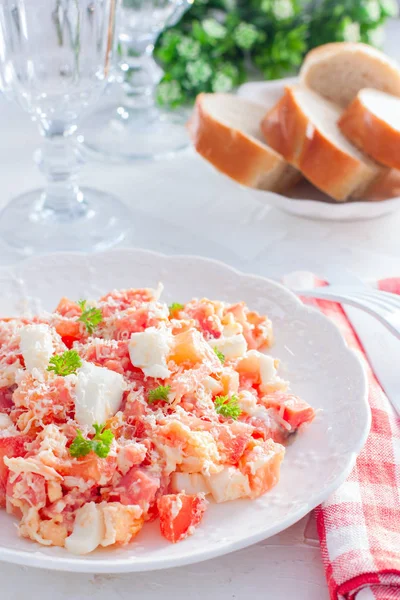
(68, 308)
(232, 441)
(10, 447)
(29, 488)
(138, 486)
(70, 331)
(180, 514)
(261, 463)
(292, 409)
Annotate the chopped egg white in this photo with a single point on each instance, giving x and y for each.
(148, 350)
(212, 385)
(5, 421)
(98, 394)
(268, 372)
(233, 328)
(233, 346)
(88, 530)
(36, 345)
(190, 483)
(120, 522)
(265, 366)
(228, 484)
(172, 455)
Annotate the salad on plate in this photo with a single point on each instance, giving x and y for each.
(120, 411)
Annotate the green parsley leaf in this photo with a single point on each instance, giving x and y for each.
(220, 355)
(100, 444)
(90, 317)
(80, 446)
(66, 363)
(159, 393)
(175, 306)
(227, 406)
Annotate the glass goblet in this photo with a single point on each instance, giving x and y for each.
(135, 128)
(55, 58)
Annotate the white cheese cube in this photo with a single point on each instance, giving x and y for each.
(231, 347)
(36, 345)
(148, 350)
(228, 484)
(98, 394)
(88, 530)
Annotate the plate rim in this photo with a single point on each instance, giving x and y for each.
(124, 565)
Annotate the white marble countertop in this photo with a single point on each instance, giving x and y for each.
(182, 206)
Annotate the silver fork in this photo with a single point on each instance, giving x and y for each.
(384, 306)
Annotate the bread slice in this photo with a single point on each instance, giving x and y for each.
(372, 123)
(340, 70)
(302, 127)
(225, 130)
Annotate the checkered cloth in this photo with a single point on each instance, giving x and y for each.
(359, 525)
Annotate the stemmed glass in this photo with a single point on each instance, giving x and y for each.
(135, 128)
(55, 58)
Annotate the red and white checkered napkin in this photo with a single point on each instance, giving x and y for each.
(359, 525)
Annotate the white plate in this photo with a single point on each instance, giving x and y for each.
(314, 357)
(304, 199)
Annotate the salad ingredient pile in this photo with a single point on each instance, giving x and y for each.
(125, 410)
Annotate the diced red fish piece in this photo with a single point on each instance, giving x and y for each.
(291, 408)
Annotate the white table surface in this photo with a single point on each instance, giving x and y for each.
(182, 206)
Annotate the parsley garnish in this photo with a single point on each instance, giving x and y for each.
(175, 306)
(220, 355)
(90, 317)
(159, 393)
(66, 363)
(227, 406)
(100, 444)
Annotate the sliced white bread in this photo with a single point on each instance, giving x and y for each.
(302, 127)
(225, 130)
(340, 70)
(372, 123)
